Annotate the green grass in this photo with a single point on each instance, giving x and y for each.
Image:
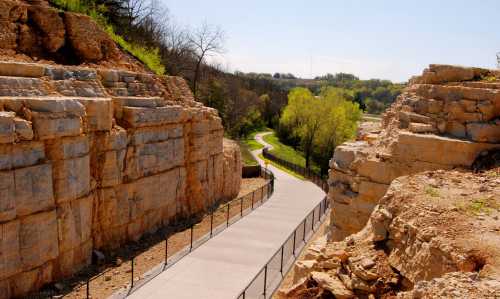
(434, 192)
(287, 152)
(251, 143)
(290, 172)
(482, 206)
(149, 56)
(248, 159)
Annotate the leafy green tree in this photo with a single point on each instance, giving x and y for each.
(320, 122)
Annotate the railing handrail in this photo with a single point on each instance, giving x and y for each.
(323, 185)
(324, 200)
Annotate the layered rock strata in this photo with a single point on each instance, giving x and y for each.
(93, 157)
(433, 235)
(445, 119)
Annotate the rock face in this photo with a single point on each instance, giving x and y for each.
(433, 235)
(31, 31)
(444, 120)
(91, 158)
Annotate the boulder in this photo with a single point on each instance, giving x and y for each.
(50, 24)
(88, 40)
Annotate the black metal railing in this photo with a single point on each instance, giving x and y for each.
(305, 172)
(240, 207)
(268, 279)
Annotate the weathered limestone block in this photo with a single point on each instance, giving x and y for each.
(73, 260)
(99, 113)
(346, 153)
(38, 239)
(10, 258)
(7, 127)
(421, 128)
(200, 128)
(216, 142)
(17, 86)
(112, 214)
(24, 129)
(114, 140)
(156, 134)
(416, 147)
(71, 178)
(48, 127)
(33, 189)
(109, 167)
(371, 191)
(378, 171)
(7, 196)
(18, 69)
(199, 148)
(126, 101)
(445, 73)
(67, 148)
(143, 117)
(31, 280)
(484, 132)
(232, 169)
(23, 154)
(74, 222)
(57, 106)
(153, 158)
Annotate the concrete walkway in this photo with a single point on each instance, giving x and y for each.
(223, 266)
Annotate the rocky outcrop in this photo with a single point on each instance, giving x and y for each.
(32, 31)
(445, 119)
(433, 235)
(93, 157)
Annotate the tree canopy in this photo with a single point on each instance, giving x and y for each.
(319, 123)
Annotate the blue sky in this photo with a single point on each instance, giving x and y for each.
(370, 38)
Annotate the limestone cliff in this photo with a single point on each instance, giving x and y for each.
(433, 235)
(96, 154)
(444, 120)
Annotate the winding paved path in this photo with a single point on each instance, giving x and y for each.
(223, 266)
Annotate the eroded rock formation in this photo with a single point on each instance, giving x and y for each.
(444, 120)
(93, 157)
(433, 235)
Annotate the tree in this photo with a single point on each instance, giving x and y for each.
(303, 117)
(320, 122)
(206, 41)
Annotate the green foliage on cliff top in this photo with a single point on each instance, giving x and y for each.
(149, 56)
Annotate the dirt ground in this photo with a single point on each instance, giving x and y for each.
(150, 251)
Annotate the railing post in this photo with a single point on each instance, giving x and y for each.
(253, 196)
(265, 280)
(227, 216)
(281, 264)
(88, 288)
(241, 208)
(294, 237)
(166, 249)
(261, 194)
(132, 277)
(211, 223)
(312, 222)
(191, 242)
(304, 234)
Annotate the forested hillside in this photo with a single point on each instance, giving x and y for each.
(246, 101)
